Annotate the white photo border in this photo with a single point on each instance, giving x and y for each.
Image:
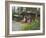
(24, 32)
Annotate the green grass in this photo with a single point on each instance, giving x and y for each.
(34, 25)
(26, 26)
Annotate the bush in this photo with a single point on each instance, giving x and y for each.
(35, 25)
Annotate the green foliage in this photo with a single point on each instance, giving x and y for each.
(35, 25)
(26, 26)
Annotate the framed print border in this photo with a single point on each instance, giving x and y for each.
(7, 3)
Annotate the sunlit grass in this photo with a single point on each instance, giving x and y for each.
(34, 25)
(26, 26)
